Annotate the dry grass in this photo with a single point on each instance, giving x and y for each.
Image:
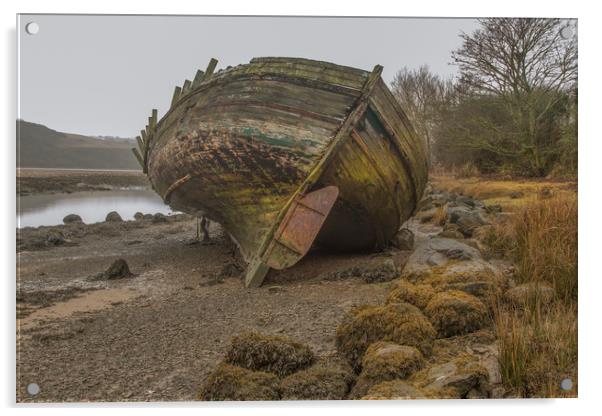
(541, 239)
(538, 344)
(538, 349)
(499, 192)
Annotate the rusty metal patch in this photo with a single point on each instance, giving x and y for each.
(300, 226)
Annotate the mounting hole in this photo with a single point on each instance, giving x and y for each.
(32, 28)
(566, 384)
(33, 389)
(566, 32)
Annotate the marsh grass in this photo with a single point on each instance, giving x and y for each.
(538, 341)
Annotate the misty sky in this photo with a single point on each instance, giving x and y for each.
(102, 75)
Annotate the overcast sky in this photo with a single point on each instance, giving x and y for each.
(102, 75)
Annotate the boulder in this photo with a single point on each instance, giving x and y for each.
(113, 216)
(458, 378)
(466, 219)
(274, 354)
(404, 239)
(400, 323)
(229, 382)
(138, 216)
(418, 295)
(456, 313)
(72, 218)
(438, 252)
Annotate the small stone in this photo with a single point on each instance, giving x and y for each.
(159, 218)
(55, 238)
(404, 239)
(545, 193)
(529, 292)
(72, 218)
(113, 216)
(516, 194)
(118, 270)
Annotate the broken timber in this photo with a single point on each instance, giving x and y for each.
(287, 153)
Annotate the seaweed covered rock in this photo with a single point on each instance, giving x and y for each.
(72, 219)
(275, 354)
(384, 361)
(417, 294)
(323, 381)
(113, 216)
(455, 313)
(460, 378)
(229, 382)
(394, 390)
(119, 269)
(400, 323)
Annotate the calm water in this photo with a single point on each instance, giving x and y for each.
(36, 210)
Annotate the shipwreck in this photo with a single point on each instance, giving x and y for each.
(287, 153)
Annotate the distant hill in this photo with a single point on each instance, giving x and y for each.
(41, 147)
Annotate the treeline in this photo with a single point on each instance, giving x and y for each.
(513, 107)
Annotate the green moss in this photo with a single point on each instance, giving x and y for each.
(324, 381)
(400, 323)
(229, 382)
(455, 313)
(275, 354)
(417, 294)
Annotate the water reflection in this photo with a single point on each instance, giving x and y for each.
(50, 209)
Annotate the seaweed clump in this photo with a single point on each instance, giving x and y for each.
(229, 382)
(417, 294)
(274, 354)
(456, 313)
(400, 323)
(394, 390)
(323, 381)
(384, 361)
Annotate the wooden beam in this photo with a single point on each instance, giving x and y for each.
(210, 69)
(198, 78)
(141, 145)
(186, 86)
(153, 121)
(139, 158)
(176, 95)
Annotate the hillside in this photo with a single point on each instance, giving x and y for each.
(41, 147)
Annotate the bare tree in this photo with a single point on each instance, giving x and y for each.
(421, 94)
(528, 63)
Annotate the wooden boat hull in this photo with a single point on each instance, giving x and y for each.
(253, 146)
